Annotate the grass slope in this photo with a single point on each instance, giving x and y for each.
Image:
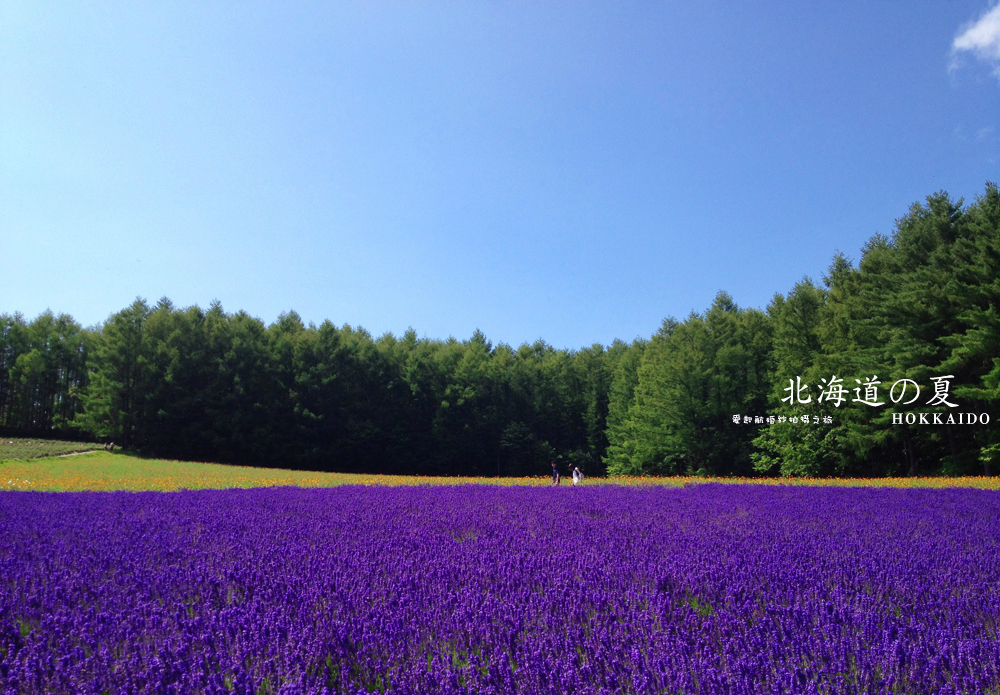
(104, 471)
(17, 448)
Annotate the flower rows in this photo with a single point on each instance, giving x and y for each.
(488, 589)
(108, 472)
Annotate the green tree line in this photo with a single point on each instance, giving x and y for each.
(716, 393)
(207, 385)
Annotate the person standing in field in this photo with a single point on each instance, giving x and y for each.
(577, 475)
(555, 474)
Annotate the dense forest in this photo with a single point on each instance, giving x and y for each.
(822, 382)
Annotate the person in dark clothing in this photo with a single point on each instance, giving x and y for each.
(555, 474)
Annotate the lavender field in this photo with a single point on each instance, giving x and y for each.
(481, 589)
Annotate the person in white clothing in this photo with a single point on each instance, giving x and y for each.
(577, 475)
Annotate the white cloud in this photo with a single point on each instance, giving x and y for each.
(982, 39)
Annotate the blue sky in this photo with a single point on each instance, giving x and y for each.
(568, 171)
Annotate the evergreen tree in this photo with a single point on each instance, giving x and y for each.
(693, 378)
(120, 381)
(624, 365)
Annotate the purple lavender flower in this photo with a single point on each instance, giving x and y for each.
(481, 589)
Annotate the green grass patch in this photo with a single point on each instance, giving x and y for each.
(18, 448)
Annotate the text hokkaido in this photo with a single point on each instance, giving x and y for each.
(939, 419)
